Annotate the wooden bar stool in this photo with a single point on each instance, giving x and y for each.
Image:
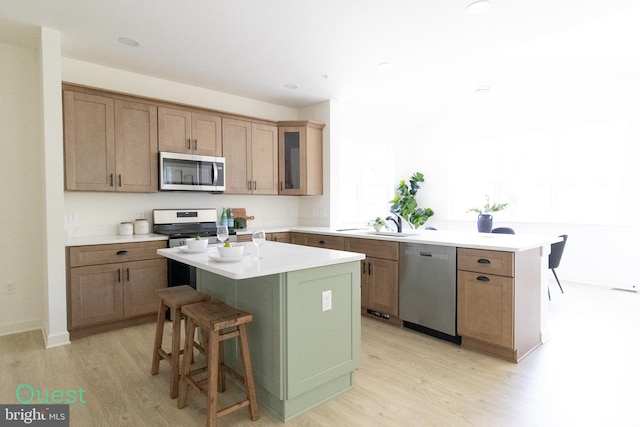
(174, 299)
(212, 317)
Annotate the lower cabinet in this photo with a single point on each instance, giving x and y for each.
(492, 287)
(379, 277)
(112, 286)
(318, 241)
(282, 237)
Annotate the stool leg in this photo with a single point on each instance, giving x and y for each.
(212, 390)
(248, 373)
(186, 365)
(175, 352)
(222, 382)
(155, 364)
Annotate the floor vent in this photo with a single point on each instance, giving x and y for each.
(378, 314)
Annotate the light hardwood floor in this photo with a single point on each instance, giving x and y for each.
(587, 374)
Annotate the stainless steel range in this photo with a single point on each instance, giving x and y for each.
(182, 224)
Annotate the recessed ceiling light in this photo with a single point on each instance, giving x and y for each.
(128, 41)
(291, 86)
(479, 7)
(385, 66)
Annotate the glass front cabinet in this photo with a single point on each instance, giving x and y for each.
(300, 158)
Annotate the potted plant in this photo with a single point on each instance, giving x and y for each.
(485, 219)
(405, 206)
(378, 224)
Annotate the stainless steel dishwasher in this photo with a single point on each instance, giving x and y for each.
(428, 297)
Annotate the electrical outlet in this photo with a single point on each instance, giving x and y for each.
(326, 300)
(140, 214)
(9, 288)
(72, 216)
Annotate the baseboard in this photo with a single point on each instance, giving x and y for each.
(20, 327)
(55, 340)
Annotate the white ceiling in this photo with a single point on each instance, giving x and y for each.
(329, 48)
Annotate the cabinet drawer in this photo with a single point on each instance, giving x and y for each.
(326, 242)
(372, 248)
(119, 252)
(488, 262)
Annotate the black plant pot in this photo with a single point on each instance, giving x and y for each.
(485, 223)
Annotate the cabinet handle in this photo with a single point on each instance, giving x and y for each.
(321, 242)
(364, 267)
(482, 279)
(281, 186)
(484, 261)
(128, 280)
(118, 275)
(255, 185)
(188, 143)
(369, 269)
(123, 252)
(110, 180)
(195, 144)
(119, 180)
(248, 185)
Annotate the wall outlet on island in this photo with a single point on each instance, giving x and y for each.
(326, 300)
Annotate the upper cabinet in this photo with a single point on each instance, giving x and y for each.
(250, 150)
(300, 158)
(110, 144)
(191, 132)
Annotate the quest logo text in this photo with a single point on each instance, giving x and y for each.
(41, 407)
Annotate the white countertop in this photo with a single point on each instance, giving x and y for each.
(109, 239)
(465, 239)
(276, 258)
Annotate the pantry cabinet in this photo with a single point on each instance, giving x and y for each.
(300, 157)
(251, 153)
(110, 144)
(114, 285)
(189, 131)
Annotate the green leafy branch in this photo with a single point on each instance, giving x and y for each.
(405, 204)
(489, 207)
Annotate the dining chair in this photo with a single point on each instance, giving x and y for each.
(554, 259)
(503, 230)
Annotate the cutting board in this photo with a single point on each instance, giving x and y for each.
(241, 213)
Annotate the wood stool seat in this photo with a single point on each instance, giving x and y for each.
(174, 299)
(213, 317)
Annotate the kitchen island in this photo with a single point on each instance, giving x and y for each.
(305, 334)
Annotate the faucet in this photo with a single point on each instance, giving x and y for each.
(397, 221)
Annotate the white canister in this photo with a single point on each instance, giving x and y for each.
(141, 226)
(125, 229)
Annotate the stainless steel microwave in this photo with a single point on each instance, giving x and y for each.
(191, 172)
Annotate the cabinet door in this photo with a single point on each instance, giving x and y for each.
(264, 158)
(485, 308)
(141, 279)
(136, 141)
(206, 134)
(96, 294)
(236, 146)
(292, 167)
(89, 144)
(382, 285)
(174, 130)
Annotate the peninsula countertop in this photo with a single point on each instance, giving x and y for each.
(276, 258)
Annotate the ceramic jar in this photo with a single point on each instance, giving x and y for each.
(125, 229)
(141, 226)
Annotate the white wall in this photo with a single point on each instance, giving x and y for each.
(22, 247)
